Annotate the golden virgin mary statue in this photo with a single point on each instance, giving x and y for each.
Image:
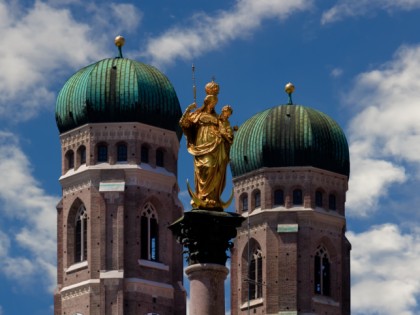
(209, 137)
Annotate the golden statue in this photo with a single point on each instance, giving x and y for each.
(209, 137)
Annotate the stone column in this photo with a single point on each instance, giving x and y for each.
(207, 289)
(207, 236)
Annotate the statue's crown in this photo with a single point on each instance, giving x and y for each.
(212, 88)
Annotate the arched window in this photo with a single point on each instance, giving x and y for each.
(297, 197)
(322, 272)
(70, 159)
(144, 154)
(149, 233)
(257, 199)
(159, 157)
(121, 152)
(81, 153)
(332, 205)
(318, 199)
(80, 253)
(244, 203)
(255, 275)
(251, 271)
(278, 197)
(102, 153)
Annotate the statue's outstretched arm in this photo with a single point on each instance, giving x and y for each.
(184, 122)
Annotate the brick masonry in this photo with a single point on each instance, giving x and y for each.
(114, 280)
(288, 237)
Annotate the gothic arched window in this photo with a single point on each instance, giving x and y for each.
(257, 199)
(255, 275)
(332, 205)
(144, 154)
(81, 153)
(149, 233)
(69, 160)
(318, 199)
(244, 203)
(102, 152)
(278, 197)
(160, 158)
(297, 197)
(322, 272)
(121, 152)
(80, 242)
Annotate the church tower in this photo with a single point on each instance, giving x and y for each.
(118, 123)
(290, 167)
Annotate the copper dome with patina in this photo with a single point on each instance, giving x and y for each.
(290, 135)
(118, 90)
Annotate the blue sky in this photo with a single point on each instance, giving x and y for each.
(357, 61)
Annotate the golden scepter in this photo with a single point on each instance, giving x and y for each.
(194, 87)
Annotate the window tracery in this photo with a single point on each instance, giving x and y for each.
(255, 275)
(149, 233)
(322, 271)
(81, 235)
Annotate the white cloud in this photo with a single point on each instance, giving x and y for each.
(351, 8)
(385, 134)
(369, 181)
(125, 19)
(41, 43)
(26, 204)
(206, 33)
(4, 244)
(18, 268)
(385, 271)
(38, 43)
(126, 16)
(336, 72)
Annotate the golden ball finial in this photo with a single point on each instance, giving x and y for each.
(119, 41)
(289, 88)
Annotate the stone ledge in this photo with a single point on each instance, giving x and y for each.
(252, 303)
(153, 264)
(77, 266)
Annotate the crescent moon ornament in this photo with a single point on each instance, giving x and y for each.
(195, 200)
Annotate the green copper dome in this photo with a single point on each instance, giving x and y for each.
(118, 90)
(290, 135)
